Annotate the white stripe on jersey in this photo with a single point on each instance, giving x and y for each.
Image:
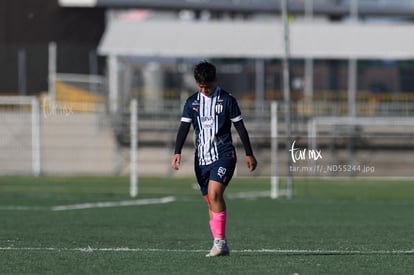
(208, 125)
(186, 119)
(237, 118)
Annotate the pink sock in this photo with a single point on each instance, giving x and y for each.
(218, 224)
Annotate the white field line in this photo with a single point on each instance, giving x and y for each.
(320, 252)
(113, 204)
(249, 195)
(90, 205)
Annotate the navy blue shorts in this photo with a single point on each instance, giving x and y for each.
(221, 171)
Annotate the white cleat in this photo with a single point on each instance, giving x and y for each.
(219, 248)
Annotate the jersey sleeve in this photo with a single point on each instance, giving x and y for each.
(186, 115)
(235, 113)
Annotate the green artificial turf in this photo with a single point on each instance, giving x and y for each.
(330, 226)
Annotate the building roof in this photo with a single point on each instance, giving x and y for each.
(257, 40)
(325, 7)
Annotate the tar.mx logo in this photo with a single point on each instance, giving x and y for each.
(55, 109)
(304, 154)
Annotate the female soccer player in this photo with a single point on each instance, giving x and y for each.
(212, 110)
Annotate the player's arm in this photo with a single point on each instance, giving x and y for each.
(244, 136)
(179, 143)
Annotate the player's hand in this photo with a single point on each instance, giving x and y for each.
(175, 162)
(251, 163)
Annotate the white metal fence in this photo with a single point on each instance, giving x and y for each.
(34, 140)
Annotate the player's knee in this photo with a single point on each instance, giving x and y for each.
(215, 197)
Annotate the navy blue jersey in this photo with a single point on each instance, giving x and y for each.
(212, 118)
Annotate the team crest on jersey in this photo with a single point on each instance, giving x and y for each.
(219, 108)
